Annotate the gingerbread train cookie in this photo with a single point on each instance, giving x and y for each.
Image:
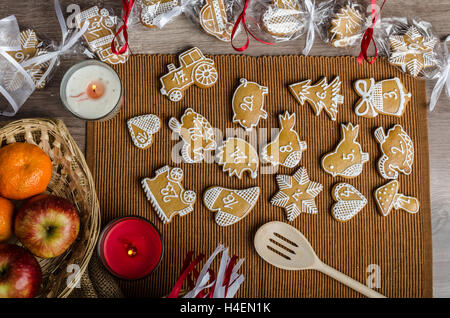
(348, 158)
(196, 133)
(387, 97)
(231, 205)
(345, 26)
(248, 104)
(287, 148)
(283, 18)
(195, 69)
(237, 156)
(167, 195)
(319, 96)
(142, 129)
(349, 202)
(213, 19)
(153, 10)
(296, 194)
(388, 198)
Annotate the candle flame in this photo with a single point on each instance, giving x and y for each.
(94, 87)
(132, 251)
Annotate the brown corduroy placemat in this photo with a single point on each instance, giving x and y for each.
(400, 244)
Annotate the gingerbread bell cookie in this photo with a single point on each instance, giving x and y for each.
(167, 195)
(213, 19)
(287, 148)
(283, 18)
(248, 104)
(345, 26)
(387, 97)
(296, 194)
(195, 69)
(237, 156)
(349, 202)
(388, 198)
(348, 158)
(153, 10)
(196, 133)
(231, 205)
(322, 95)
(142, 129)
(398, 152)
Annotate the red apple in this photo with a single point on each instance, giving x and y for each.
(20, 273)
(47, 225)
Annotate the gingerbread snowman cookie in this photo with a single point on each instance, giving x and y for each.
(142, 129)
(283, 18)
(213, 19)
(349, 202)
(237, 156)
(388, 198)
(345, 26)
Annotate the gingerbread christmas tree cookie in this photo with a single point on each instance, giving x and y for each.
(142, 129)
(296, 194)
(167, 195)
(349, 202)
(388, 198)
(213, 19)
(283, 18)
(345, 25)
(237, 156)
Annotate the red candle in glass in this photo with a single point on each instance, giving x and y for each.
(130, 247)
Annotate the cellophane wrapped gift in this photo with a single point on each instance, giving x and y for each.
(155, 14)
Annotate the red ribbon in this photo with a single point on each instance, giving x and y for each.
(188, 266)
(127, 6)
(368, 35)
(241, 19)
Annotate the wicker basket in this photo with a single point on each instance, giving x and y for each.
(71, 179)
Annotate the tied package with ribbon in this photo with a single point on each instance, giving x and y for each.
(155, 14)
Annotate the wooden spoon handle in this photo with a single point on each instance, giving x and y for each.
(350, 282)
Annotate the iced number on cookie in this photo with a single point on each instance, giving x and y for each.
(348, 158)
(196, 133)
(286, 149)
(213, 19)
(345, 25)
(142, 129)
(388, 97)
(231, 205)
(248, 104)
(388, 198)
(296, 194)
(283, 18)
(152, 11)
(320, 96)
(412, 51)
(236, 156)
(349, 202)
(167, 195)
(194, 68)
(398, 152)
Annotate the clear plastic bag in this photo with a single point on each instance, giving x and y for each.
(155, 14)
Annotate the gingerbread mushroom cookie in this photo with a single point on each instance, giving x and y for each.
(388, 198)
(398, 152)
(349, 202)
(195, 69)
(248, 104)
(283, 18)
(152, 11)
(142, 129)
(196, 133)
(319, 96)
(213, 19)
(345, 25)
(348, 158)
(287, 148)
(231, 205)
(387, 97)
(237, 156)
(296, 194)
(167, 195)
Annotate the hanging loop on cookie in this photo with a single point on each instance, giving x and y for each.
(127, 7)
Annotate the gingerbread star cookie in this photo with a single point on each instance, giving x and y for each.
(345, 25)
(213, 19)
(388, 198)
(349, 202)
(237, 156)
(196, 133)
(153, 10)
(283, 18)
(287, 148)
(142, 129)
(412, 51)
(319, 96)
(296, 194)
(348, 158)
(231, 205)
(167, 195)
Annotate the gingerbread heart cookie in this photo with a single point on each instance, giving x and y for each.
(349, 202)
(388, 198)
(237, 156)
(213, 19)
(283, 18)
(345, 25)
(153, 10)
(142, 129)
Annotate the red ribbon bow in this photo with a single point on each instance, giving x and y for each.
(127, 6)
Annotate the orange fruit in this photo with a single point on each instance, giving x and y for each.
(25, 170)
(6, 219)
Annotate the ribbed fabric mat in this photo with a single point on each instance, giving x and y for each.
(400, 244)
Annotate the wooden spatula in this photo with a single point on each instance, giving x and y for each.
(285, 247)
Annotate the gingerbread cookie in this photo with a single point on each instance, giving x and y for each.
(348, 158)
(398, 152)
(236, 156)
(345, 25)
(319, 96)
(231, 205)
(100, 33)
(213, 19)
(296, 194)
(194, 68)
(388, 198)
(248, 104)
(283, 18)
(349, 202)
(412, 51)
(152, 11)
(387, 97)
(196, 133)
(142, 129)
(167, 195)
(286, 149)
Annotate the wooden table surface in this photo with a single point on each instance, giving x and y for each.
(183, 34)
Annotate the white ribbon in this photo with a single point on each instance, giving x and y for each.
(310, 7)
(10, 40)
(165, 18)
(444, 79)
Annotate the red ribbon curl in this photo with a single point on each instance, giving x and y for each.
(127, 6)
